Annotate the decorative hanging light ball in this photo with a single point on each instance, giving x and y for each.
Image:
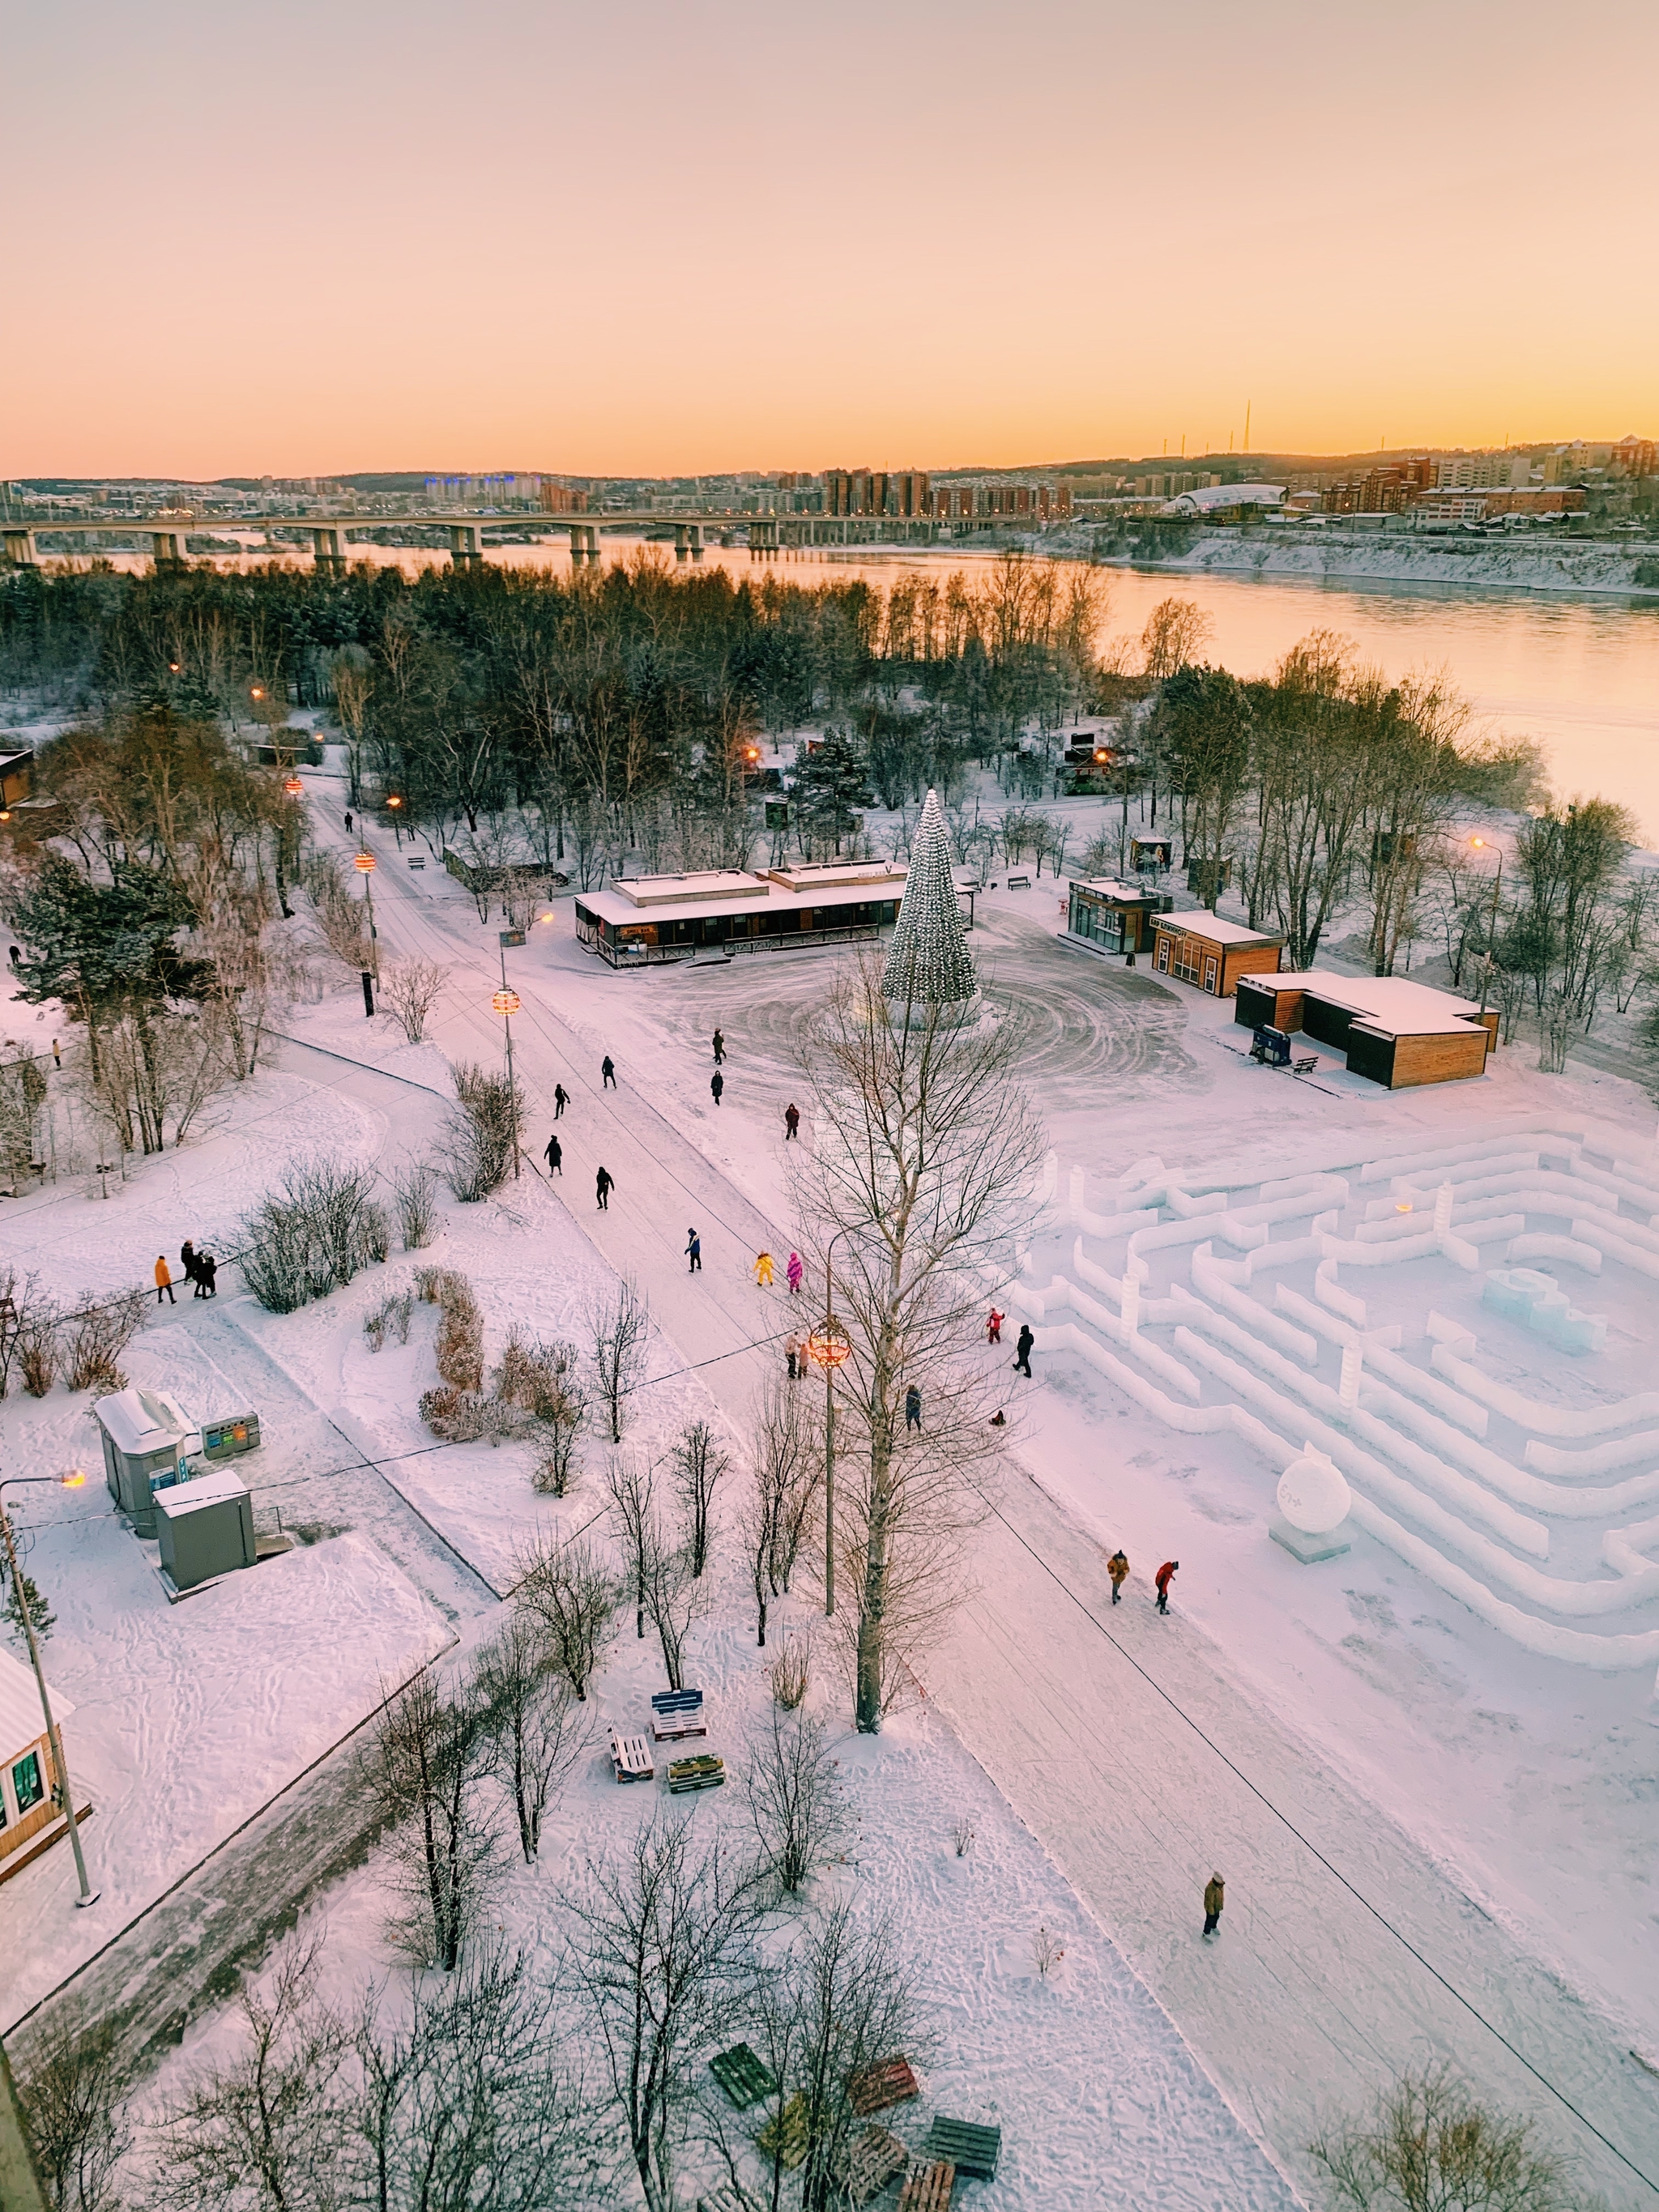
(365, 864)
(506, 1002)
(828, 1345)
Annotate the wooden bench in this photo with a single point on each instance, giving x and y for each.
(874, 2088)
(1019, 883)
(414, 863)
(676, 1714)
(1305, 1067)
(870, 2162)
(972, 2150)
(630, 1759)
(928, 2188)
(785, 2137)
(703, 1770)
(744, 2076)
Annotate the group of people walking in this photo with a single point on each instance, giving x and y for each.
(200, 1268)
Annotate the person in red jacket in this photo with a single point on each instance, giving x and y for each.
(994, 1326)
(1162, 1580)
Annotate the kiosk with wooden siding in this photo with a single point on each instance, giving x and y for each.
(1394, 1031)
(1114, 917)
(1203, 950)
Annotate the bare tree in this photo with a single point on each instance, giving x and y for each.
(787, 1446)
(431, 1749)
(261, 2131)
(927, 1153)
(700, 1467)
(795, 1798)
(571, 1595)
(674, 1597)
(478, 1139)
(75, 2099)
(657, 1951)
(759, 1526)
(1428, 2147)
(539, 1737)
(618, 1327)
(409, 990)
(630, 1484)
(415, 1188)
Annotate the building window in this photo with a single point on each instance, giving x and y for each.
(25, 1781)
(1186, 960)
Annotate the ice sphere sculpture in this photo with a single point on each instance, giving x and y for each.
(1313, 1493)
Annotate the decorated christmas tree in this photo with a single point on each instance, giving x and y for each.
(928, 963)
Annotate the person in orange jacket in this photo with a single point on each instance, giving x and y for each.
(1118, 1568)
(164, 1279)
(994, 1326)
(1162, 1581)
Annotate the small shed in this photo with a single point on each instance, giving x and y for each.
(1201, 949)
(1116, 917)
(206, 1529)
(145, 1434)
(27, 1780)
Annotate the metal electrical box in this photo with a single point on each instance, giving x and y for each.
(205, 1527)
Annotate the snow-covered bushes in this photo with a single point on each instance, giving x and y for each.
(395, 1310)
(318, 1228)
(415, 1187)
(460, 1330)
(478, 1138)
(467, 1417)
(95, 1340)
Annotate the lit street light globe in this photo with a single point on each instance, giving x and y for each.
(506, 1002)
(828, 1345)
(364, 863)
(293, 786)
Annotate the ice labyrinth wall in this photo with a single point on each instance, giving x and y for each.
(1464, 1329)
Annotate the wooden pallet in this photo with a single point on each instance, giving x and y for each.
(973, 2150)
(870, 2162)
(785, 2137)
(874, 2088)
(678, 1713)
(703, 1770)
(630, 1759)
(744, 2076)
(928, 2188)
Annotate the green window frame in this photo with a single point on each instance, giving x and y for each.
(26, 1783)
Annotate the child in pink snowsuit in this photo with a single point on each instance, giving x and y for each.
(794, 1271)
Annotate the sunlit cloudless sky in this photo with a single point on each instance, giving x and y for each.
(307, 236)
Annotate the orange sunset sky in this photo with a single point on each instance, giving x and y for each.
(669, 235)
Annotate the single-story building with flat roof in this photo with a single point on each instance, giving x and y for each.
(1394, 1031)
(1115, 917)
(1201, 949)
(643, 919)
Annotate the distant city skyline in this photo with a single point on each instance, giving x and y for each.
(928, 233)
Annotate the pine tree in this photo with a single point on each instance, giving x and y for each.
(24, 1595)
(929, 963)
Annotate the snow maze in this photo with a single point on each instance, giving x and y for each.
(1463, 1330)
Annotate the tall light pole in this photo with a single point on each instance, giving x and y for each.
(366, 864)
(1479, 844)
(73, 1481)
(830, 1346)
(394, 808)
(506, 1004)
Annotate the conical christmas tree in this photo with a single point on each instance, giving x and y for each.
(929, 963)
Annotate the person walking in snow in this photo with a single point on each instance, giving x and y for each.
(605, 1183)
(913, 1408)
(561, 1099)
(1023, 1351)
(717, 1084)
(694, 1252)
(795, 1272)
(555, 1157)
(608, 1072)
(764, 1270)
(994, 1326)
(720, 1047)
(164, 1280)
(347, 822)
(187, 1261)
(1215, 1896)
(792, 1353)
(791, 1121)
(1118, 1568)
(1162, 1580)
(207, 1269)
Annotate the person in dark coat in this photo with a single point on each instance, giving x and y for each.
(1023, 1350)
(1215, 1896)
(605, 1183)
(791, 1121)
(717, 1084)
(608, 1071)
(913, 1408)
(694, 1252)
(561, 1099)
(206, 1270)
(187, 1260)
(720, 1047)
(555, 1157)
(1162, 1580)
(347, 822)
(1118, 1568)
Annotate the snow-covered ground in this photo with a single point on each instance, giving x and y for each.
(1491, 1803)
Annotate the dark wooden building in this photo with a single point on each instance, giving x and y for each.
(1211, 954)
(1393, 1032)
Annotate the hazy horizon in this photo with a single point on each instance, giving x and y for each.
(893, 232)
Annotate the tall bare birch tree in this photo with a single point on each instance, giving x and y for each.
(926, 1149)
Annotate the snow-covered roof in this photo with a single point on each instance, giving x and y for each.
(21, 1722)
(1394, 1003)
(1111, 887)
(1213, 497)
(209, 1489)
(1197, 922)
(700, 884)
(768, 898)
(139, 1422)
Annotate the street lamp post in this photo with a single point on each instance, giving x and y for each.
(507, 1003)
(55, 1741)
(1478, 843)
(365, 864)
(830, 1345)
(394, 808)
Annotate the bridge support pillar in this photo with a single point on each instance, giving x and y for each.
(694, 531)
(328, 550)
(19, 545)
(465, 549)
(168, 548)
(681, 541)
(591, 544)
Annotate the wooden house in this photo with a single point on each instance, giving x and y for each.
(1393, 1032)
(1203, 950)
(28, 1806)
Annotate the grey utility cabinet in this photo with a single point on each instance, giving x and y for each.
(206, 1529)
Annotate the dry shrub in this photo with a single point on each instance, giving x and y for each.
(415, 1190)
(409, 990)
(791, 1673)
(37, 1349)
(477, 1139)
(96, 1340)
(395, 1311)
(460, 1329)
(465, 1416)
